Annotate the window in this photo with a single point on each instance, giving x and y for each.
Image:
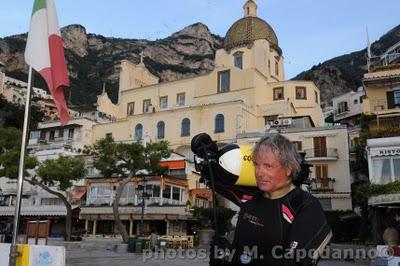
(276, 69)
(52, 135)
(177, 172)
(164, 102)
(397, 98)
(71, 133)
(108, 135)
(355, 101)
(185, 129)
(180, 99)
(160, 130)
(298, 145)
(342, 107)
(176, 193)
(219, 123)
(385, 170)
(223, 81)
(320, 146)
(138, 132)
(42, 135)
(130, 109)
(35, 134)
(361, 99)
(269, 66)
(167, 192)
(301, 93)
(316, 97)
(61, 133)
(146, 106)
(156, 191)
(238, 59)
(278, 93)
(321, 171)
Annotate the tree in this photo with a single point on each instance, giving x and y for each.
(124, 160)
(10, 148)
(12, 115)
(60, 172)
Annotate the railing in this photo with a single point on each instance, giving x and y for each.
(378, 105)
(328, 153)
(97, 201)
(322, 184)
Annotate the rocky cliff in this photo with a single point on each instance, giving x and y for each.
(94, 59)
(344, 73)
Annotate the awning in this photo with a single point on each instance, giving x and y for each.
(180, 164)
(41, 210)
(78, 194)
(203, 193)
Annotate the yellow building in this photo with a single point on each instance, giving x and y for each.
(245, 91)
(382, 85)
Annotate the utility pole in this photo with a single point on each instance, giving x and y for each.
(143, 202)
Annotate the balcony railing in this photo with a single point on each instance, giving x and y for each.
(99, 201)
(322, 184)
(328, 154)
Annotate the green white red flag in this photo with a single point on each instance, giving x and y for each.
(45, 53)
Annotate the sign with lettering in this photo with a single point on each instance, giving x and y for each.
(385, 151)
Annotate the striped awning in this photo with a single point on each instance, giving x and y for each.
(58, 210)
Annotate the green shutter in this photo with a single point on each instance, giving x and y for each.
(390, 99)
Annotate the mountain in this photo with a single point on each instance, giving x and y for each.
(344, 73)
(94, 59)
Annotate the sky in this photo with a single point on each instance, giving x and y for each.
(309, 31)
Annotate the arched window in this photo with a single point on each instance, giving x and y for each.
(138, 132)
(160, 130)
(185, 129)
(219, 123)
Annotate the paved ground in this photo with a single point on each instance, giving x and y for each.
(112, 253)
(79, 257)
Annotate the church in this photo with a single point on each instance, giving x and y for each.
(246, 91)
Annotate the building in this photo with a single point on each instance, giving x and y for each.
(382, 86)
(348, 107)
(164, 208)
(383, 160)
(246, 91)
(49, 141)
(326, 149)
(384, 168)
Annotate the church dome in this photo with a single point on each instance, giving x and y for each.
(248, 29)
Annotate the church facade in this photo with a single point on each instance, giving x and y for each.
(246, 91)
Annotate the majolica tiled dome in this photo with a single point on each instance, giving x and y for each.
(248, 29)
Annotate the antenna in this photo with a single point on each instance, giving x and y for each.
(368, 51)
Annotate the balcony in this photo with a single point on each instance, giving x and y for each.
(329, 154)
(322, 184)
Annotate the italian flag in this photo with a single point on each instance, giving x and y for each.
(45, 53)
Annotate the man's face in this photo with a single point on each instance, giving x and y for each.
(270, 174)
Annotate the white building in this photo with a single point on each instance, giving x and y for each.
(348, 106)
(383, 160)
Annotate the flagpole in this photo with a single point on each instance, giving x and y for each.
(13, 249)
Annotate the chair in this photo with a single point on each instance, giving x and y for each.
(184, 242)
(190, 241)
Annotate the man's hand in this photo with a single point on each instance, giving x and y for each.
(220, 249)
